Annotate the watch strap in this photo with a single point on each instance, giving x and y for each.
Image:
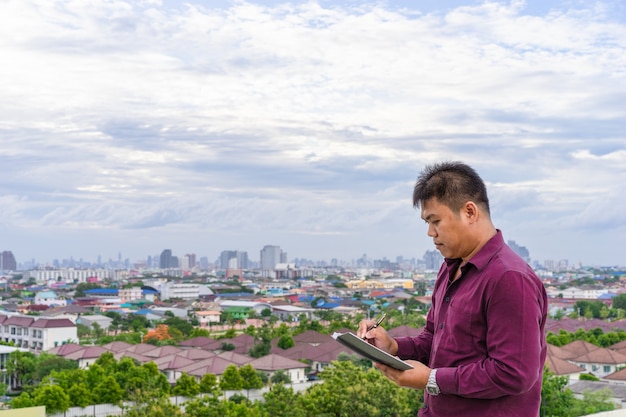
(431, 386)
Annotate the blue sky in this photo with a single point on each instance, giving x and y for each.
(204, 126)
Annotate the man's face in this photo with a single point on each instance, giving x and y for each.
(447, 228)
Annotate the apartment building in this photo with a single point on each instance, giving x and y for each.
(36, 333)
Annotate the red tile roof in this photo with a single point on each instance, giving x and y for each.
(44, 323)
(273, 362)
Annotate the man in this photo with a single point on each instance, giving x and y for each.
(482, 351)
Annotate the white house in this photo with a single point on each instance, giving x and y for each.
(49, 298)
(36, 333)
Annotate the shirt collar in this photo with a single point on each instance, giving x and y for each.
(484, 255)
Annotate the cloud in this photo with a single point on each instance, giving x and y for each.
(305, 121)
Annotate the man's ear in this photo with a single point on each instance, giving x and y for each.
(470, 211)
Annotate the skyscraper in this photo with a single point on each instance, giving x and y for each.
(233, 259)
(270, 256)
(7, 261)
(167, 260)
(433, 259)
(190, 260)
(520, 250)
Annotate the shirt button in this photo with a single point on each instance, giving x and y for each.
(447, 299)
(441, 326)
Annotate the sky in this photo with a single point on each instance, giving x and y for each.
(130, 127)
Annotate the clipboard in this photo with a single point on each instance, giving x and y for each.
(371, 352)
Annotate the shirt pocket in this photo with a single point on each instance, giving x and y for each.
(464, 328)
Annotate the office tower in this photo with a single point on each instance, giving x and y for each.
(271, 256)
(234, 259)
(168, 260)
(520, 250)
(190, 260)
(203, 263)
(7, 261)
(432, 259)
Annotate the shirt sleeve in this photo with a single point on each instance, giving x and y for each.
(417, 348)
(515, 343)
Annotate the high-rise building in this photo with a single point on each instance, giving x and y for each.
(432, 259)
(234, 259)
(7, 261)
(271, 256)
(168, 260)
(520, 250)
(190, 260)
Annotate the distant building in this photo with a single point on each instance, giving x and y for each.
(167, 260)
(72, 275)
(130, 294)
(271, 256)
(7, 261)
(432, 260)
(175, 290)
(50, 299)
(234, 259)
(520, 250)
(189, 261)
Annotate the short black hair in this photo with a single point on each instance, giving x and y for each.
(452, 183)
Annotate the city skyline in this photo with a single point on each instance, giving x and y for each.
(235, 259)
(133, 126)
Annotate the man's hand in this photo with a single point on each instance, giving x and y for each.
(377, 336)
(415, 378)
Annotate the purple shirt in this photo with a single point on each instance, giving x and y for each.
(485, 335)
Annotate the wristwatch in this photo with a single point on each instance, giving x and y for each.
(431, 386)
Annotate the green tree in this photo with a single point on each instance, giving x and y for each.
(97, 330)
(23, 400)
(251, 379)
(79, 395)
(208, 384)
(21, 365)
(108, 362)
(180, 324)
(250, 330)
(593, 402)
(619, 301)
(286, 342)
(108, 391)
(52, 397)
(281, 401)
(263, 342)
(556, 399)
(138, 322)
(95, 375)
(231, 379)
(116, 321)
(588, 377)
(154, 407)
(142, 382)
(280, 377)
(46, 363)
(67, 378)
(198, 332)
(340, 395)
(186, 386)
(212, 407)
